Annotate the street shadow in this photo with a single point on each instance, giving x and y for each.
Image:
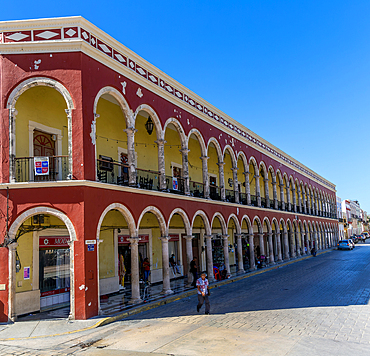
(333, 279)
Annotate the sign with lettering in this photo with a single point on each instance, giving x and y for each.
(41, 166)
(53, 241)
(173, 237)
(123, 239)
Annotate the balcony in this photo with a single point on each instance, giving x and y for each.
(230, 195)
(196, 189)
(41, 169)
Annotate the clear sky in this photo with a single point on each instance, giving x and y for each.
(295, 72)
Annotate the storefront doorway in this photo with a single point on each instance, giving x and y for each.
(54, 272)
(124, 258)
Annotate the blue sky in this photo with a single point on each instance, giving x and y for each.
(295, 72)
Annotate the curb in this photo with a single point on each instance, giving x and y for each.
(168, 300)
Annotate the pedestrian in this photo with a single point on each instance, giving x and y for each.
(313, 252)
(194, 271)
(203, 292)
(174, 265)
(146, 265)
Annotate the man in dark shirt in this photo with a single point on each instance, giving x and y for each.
(194, 271)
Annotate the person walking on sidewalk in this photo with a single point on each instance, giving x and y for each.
(203, 292)
(194, 271)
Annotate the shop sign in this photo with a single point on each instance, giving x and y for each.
(175, 184)
(55, 292)
(173, 237)
(123, 239)
(41, 166)
(26, 272)
(90, 247)
(53, 241)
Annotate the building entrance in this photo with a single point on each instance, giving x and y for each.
(54, 272)
(124, 258)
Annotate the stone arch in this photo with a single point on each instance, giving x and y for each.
(157, 122)
(39, 81)
(121, 101)
(259, 224)
(205, 219)
(274, 222)
(279, 176)
(236, 222)
(282, 222)
(222, 222)
(232, 155)
(184, 217)
(126, 214)
(73, 237)
(244, 159)
(264, 168)
(253, 161)
(217, 146)
(248, 222)
(268, 224)
(179, 129)
(200, 138)
(158, 214)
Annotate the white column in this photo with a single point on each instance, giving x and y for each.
(189, 257)
(135, 275)
(262, 245)
(278, 244)
(271, 249)
(297, 243)
(267, 194)
(222, 179)
(225, 240)
(282, 196)
(12, 313)
(211, 277)
(274, 193)
(161, 164)
(247, 187)
(286, 246)
(205, 176)
(252, 262)
(12, 115)
(165, 266)
(131, 157)
(185, 168)
(258, 189)
(236, 184)
(240, 253)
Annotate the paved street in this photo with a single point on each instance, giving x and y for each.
(318, 306)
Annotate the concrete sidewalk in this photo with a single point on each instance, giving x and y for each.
(32, 329)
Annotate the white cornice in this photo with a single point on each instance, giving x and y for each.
(77, 44)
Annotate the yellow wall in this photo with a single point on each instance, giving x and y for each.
(195, 163)
(172, 149)
(149, 221)
(241, 176)
(262, 185)
(271, 188)
(114, 219)
(228, 173)
(25, 253)
(145, 147)
(109, 129)
(212, 162)
(45, 106)
(252, 179)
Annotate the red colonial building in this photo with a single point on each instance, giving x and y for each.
(106, 161)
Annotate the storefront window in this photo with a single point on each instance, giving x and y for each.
(54, 271)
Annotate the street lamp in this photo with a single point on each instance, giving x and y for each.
(149, 125)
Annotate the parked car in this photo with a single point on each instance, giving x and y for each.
(345, 245)
(354, 239)
(352, 242)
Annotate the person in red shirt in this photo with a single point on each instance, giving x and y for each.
(146, 265)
